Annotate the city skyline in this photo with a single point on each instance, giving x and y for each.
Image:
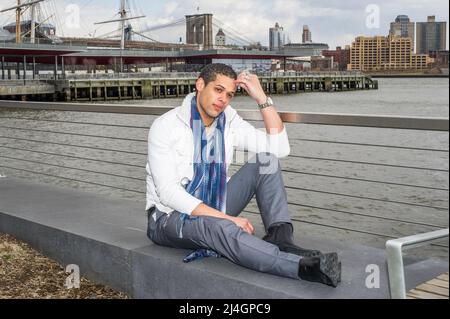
(331, 21)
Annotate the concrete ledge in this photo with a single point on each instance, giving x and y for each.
(27, 89)
(106, 237)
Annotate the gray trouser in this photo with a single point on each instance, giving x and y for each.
(225, 237)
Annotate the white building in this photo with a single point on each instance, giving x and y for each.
(220, 38)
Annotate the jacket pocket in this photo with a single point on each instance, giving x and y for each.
(184, 165)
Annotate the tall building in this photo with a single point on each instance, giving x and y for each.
(403, 27)
(431, 36)
(277, 37)
(382, 53)
(398, 57)
(306, 35)
(368, 53)
(220, 38)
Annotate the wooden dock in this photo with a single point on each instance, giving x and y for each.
(433, 289)
(133, 88)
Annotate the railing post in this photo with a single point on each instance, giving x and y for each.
(63, 68)
(24, 69)
(34, 68)
(395, 270)
(18, 71)
(3, 67)
(394, 252)
(55, 72)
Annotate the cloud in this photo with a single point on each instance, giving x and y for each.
(169, 8)
(332, 21)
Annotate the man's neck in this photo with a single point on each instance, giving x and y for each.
(206, 119)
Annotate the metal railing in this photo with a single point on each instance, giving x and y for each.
(373, 201)
(312, 74)
(375, 121)
(27, 81)
(136, 75)
(194, 75)
(43, 45)
(171, 75)
(394, 251)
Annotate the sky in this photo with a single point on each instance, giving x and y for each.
(331, 21)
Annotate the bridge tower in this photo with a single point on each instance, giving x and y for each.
(199, 30)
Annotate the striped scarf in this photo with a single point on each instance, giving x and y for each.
(210, 177)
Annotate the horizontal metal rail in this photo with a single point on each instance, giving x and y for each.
(365, 197)
(395, 122)
(369, 163)
(291, 139)
(318, 191)
(123, 176)
(343, 228)
(72, 168)
(75, 134)
(145, 140)
(370, 145)
(72, 122)
(71, 179)
(72, 156)
(355, 179)
(248, 211)
(292, 155)
(75, 145)
(43, 46)
(368, 216)
(365, 180)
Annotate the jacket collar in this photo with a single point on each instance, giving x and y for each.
(184, 111)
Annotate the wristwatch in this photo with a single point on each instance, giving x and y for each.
(268, 103)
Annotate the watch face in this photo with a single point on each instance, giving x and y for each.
(269, 101)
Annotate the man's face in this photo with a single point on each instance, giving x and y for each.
(216, 96)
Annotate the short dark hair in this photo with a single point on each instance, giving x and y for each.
(209, 73)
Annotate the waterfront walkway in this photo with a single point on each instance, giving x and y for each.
(344, 194)
(107, 238)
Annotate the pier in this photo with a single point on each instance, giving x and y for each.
(106, 87)
(30, 89)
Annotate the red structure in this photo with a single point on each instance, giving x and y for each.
(340, 56)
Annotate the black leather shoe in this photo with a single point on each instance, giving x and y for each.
(282, 236)
(325, 269)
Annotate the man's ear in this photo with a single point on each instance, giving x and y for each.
(200, 84)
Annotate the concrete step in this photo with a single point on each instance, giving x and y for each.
(106, 238)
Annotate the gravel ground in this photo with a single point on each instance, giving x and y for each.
(25, 273)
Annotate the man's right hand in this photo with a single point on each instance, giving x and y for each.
(204, 210)
(244, 223)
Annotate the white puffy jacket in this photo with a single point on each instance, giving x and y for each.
(171, 152)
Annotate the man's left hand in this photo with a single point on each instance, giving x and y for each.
(251, 84)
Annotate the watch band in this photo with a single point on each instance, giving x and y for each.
(268, 103)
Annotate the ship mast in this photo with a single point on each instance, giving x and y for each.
(18, 22)
(123, 16)
(122, 20)
(33, 23)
